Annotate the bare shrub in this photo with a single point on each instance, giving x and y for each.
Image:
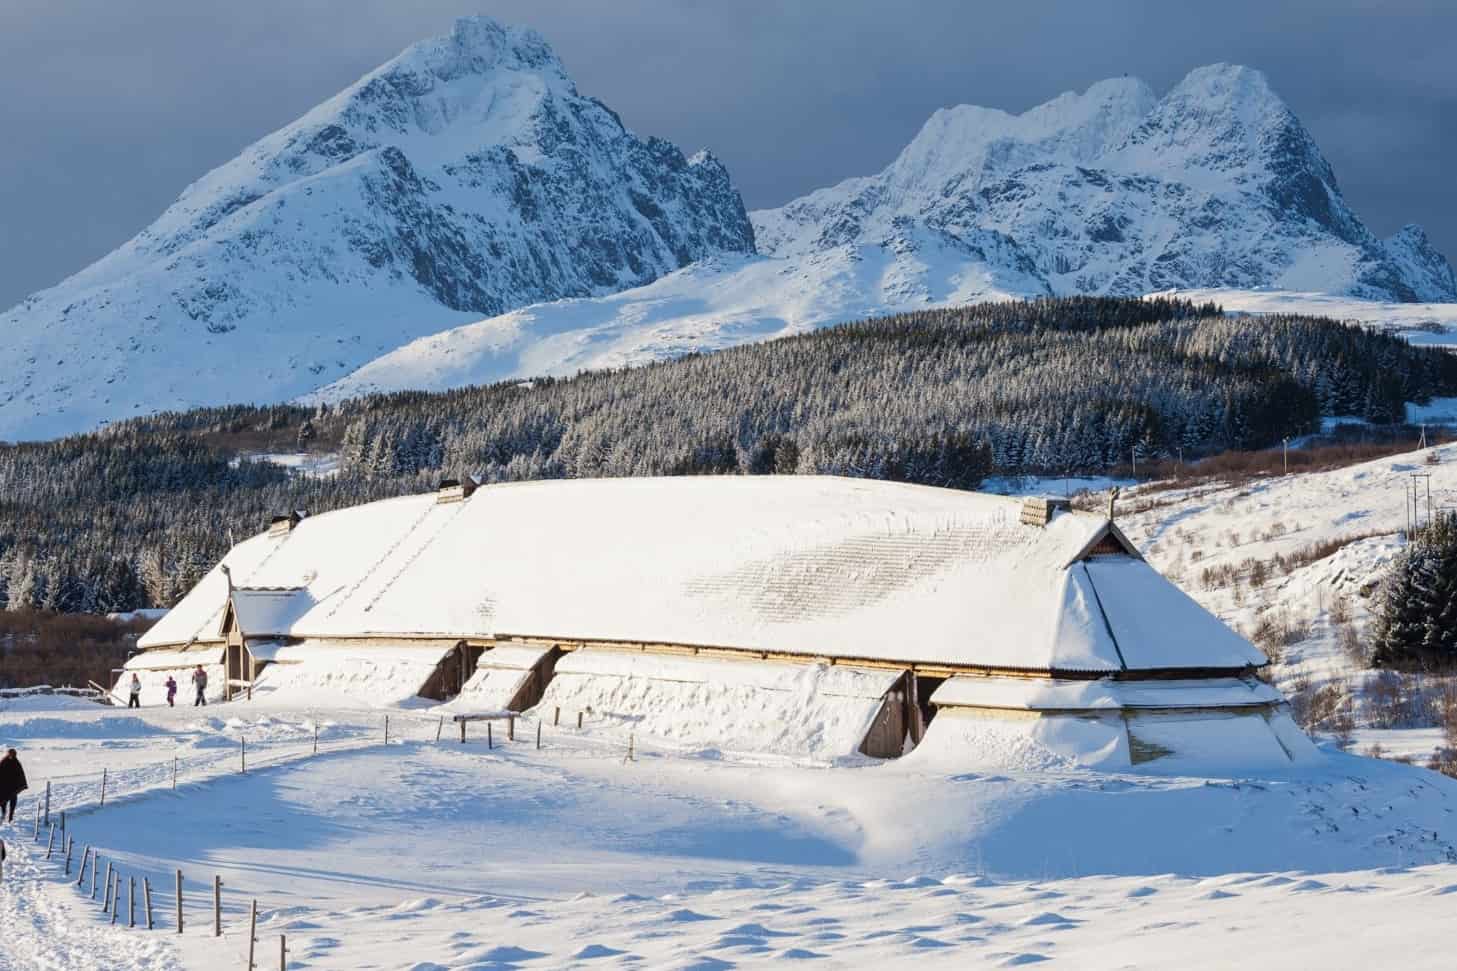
(1353, 647)
(1340, 610)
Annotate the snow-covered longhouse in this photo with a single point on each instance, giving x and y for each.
(808, 616)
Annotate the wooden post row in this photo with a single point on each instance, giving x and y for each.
(217, 906)
(179, 901)
(147, 900)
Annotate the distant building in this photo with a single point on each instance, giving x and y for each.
(801, 615)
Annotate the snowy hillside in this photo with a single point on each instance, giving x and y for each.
(1299, 555)
(1215, 186)
(461, 179)
(710, 305)
(1420, 323)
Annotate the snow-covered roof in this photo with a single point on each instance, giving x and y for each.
(269, 611)
(812, 565)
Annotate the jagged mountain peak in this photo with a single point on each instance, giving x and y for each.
(1116, 190)
(463, 178)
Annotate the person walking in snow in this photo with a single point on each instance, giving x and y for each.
(171, 691)
(134, 700)
(199, 680)
(12, 784)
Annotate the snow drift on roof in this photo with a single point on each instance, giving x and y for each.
(814, 565)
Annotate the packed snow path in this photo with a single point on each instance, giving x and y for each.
(45, 925)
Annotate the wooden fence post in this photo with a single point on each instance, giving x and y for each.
(50, 843)
(252, 933)
(579, 721)
(440, 728)
(37, 821)
(174, 772)
(131, 901)
(556, 716)
(179, 901)
(282, 952)
(386, 729)
(316, 739)
(48, 802)
(63, 824)
(462, 731)
(81, 873)
(629, 747)
(510, 728)
(217, 906)
(538, 735)
(489, 743)
(147, 900)
(243, 754)
(103, 787)
(106, 901)
(115, 896)
(67, 868)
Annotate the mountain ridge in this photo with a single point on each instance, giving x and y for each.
(463, 214)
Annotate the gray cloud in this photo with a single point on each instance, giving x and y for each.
(108, 110)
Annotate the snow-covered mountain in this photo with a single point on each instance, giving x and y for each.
(422, 229)
(462, 179)
(1117, 191)
(1114, 190)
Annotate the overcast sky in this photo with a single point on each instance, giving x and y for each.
(107, 109)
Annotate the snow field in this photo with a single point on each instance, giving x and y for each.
(440, 855)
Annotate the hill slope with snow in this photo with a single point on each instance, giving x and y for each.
(1111, 191)
(462, 179)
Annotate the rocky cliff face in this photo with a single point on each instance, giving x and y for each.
(463, 178)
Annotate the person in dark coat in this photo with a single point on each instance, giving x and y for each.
(12, 784)
(199, 680)
(171, 691)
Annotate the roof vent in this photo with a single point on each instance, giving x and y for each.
(455, 490)
(283, 525)
(1038, 511)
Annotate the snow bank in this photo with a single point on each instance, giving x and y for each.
(809, 711)
(1102, 693)
(1185, 742)
(376, 674)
